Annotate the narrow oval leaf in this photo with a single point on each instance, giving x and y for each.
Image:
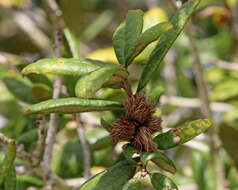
(126, 35)
(198, 165)
(72, 42)
(113, 178)
(72, 105)
(161, 182)
(149, 36)
(101, 143)
(64, 66)
(10, 182)
(8, 161)
(128, 152)
(160, 159)
(181, 135)
(133, 184)
(166, 41)
(133, 29)
(89, 84)
(20, 89)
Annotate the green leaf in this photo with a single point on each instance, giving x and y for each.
(198, 167)
(20, 89)
(126, 35)
(233, 178)
(166, 41)
(28, 180)
(8, 162)
(72, 42)
(101, 143)
(113, 178)
(89, 84)
(10, 183)
(149, 36)
(134, 184)
(97, 26)
(181, 135)
(72, 105)
(161, 182)
(64, 66)
(160, 159)
(128, 152)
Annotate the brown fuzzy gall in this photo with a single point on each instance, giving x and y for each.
(138, 124)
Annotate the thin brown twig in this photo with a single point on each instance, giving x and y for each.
(49, 177)
(40, 147)
(226, 65)
(85, 147)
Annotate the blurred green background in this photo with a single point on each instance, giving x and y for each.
(26, 35)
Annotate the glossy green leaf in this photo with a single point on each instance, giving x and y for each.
(89, 84)
(160, 159)
(72, 42)
(64, 66)
(126, 35)
(133, 184)
(8, 161)
(166, 41)
(20, 89)
(149, 36)
(112, 94)
(161, 182)
(181, 135)
(72, 105)
(133, 29)
(113, 178)
(101, 143)
(128, 152)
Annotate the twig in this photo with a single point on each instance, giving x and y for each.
(203, 93)
(40, 147)
(194, 103)
(85, 147)
(30, 28)
(227, 65)
(49, 177)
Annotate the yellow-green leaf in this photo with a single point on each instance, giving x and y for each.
(166, 41)
(181, 135)
(160, 159)
(88, 85)
(161, 182)
(64, 66)
(72, 105)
